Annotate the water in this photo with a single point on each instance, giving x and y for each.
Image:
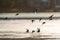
(17, 29)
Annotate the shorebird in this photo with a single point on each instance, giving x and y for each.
(27, 30)
(43, 22)
(51, 17)
(6, 18)
(33, 31)
(38, 30)
(40, 19)
(32, 21)
(17, 14)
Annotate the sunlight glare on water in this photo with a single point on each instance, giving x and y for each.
(51, 27)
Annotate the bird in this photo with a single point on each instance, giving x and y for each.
(35, 10)
(38, 30)
(33, 31)
(27, 30)
(51, 17)
(40, 19)
(6, 18)
(32, 21)
(43, 22)
(17, 14)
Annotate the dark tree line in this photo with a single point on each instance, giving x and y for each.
(23, 6)
(13, 4)
(6, 3)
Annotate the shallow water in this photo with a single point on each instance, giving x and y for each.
(27, 39)
(17, 29)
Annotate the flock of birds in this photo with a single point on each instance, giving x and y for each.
(38, 30)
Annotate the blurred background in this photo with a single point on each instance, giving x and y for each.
(8, 6)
